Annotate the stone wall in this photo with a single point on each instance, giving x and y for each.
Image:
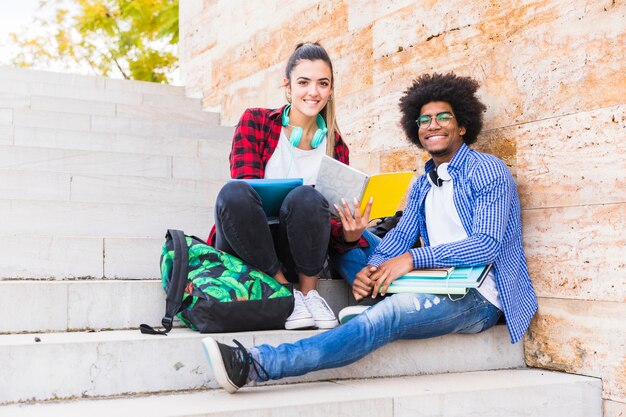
(552, 76)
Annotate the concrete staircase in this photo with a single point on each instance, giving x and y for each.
(92, 173)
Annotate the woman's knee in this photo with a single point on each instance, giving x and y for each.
(305, 198)
(234, 194)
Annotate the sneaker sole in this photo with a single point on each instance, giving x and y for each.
(327, 324)
(214, 356)
(348, 313)
(300, 324)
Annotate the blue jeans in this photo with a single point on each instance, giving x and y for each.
(352, 261)
(400, 316)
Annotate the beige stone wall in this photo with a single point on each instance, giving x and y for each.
(552, 75)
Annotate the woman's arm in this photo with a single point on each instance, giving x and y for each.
(245, 155)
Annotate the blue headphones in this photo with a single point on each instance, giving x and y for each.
(296, 133)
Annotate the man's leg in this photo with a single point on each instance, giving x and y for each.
(402, 316)
(352, 261)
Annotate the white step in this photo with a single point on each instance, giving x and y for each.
(71, 257)
(6, 134)
(54, 218)
(90, 121)
(208, 167)
(84, 162)
(54, 186)
(67, 365)
(174, 114)
(61, 306)
(74, 82)
(502, 393)
(107, 142)
(69, 105)
(181, 110)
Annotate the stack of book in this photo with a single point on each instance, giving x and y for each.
(453, 280)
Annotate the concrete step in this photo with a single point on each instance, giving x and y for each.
(92, 121)
(57, 219)
(87, 81)
(55, 186)
(89, 364)
(51, 84)
(519, 393)
(72, 257)
(60, 306)
(84, 162)
(219, 141)
(213, 167)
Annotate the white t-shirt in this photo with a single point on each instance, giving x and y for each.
(444, 226)
(287, 161)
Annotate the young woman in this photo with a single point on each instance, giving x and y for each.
(289, 142)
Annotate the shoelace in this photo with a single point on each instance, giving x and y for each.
(319, 305)
(300, 306)
(247, 357)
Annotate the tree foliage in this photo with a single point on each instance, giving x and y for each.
(136, 39)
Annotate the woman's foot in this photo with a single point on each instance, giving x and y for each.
(323, 316)
(301, 317)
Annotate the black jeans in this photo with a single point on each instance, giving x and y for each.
(297, 244)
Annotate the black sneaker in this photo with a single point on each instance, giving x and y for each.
(231, 365)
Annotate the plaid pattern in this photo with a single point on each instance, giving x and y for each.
(485, 196)
(255, 139)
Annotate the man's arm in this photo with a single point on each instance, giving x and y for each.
(493, 197)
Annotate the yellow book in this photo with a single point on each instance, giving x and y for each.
(337, 180)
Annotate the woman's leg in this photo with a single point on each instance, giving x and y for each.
(305, 232)
(241, 227)
(401, 316)
(305, 228)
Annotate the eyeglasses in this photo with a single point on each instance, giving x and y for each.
(443, 120)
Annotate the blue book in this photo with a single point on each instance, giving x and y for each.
(454, 281)
(272, 192)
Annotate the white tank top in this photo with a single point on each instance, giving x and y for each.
(287, 161)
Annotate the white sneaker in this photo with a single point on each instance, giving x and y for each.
(321, 312)
(300, 318)
(350, 312)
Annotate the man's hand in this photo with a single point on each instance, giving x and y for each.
(362, 286)
(353, 226)
(388, 271)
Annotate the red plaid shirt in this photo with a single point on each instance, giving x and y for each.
(256, 137)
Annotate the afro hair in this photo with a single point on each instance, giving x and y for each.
(458, 91)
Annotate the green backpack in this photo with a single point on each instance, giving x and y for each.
(212, 291)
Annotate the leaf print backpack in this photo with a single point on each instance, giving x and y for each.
(212, 291)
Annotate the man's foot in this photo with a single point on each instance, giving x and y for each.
(348, 313)
(231, 365)
(301, 317)
(322, 314)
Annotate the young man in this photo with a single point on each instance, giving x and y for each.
(465, 208)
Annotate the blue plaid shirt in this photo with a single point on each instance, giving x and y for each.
(486, 199)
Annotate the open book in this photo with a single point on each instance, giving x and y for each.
(337, 180)
(433, 281)
(272, 192)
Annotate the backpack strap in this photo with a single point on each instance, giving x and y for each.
(178, 282)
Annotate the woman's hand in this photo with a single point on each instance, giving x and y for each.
(388, 271)
(353, 226)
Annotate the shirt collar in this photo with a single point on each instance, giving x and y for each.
(277, 112)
